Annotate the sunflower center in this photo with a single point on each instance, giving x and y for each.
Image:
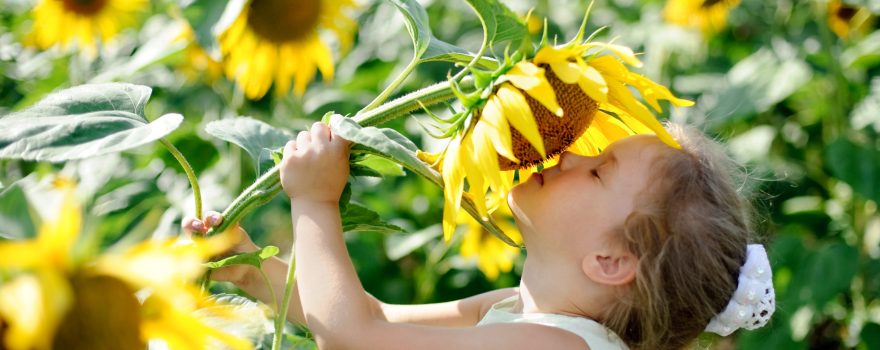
(283, 20)
(709, 3)
(84, 7)
(846, 13)
(557, 132)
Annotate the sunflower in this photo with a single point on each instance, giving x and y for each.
(710, 16)
(492, 255)
(54, 292)
(277, 40)
(845, 19)
(573, 97)
(83, 21)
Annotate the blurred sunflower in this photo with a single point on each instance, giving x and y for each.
(55, 292)
(710, 16)
(573, 97)
(85, 21)
(493, 256)
(198, 65)
(845, 19)
(277, 40)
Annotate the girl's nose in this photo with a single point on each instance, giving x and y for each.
(570, 160)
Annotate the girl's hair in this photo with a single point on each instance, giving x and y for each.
(689, 230)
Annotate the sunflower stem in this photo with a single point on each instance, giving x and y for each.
(393, 86)
(190, 174)
(281, 314)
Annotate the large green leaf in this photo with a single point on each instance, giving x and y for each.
(833, 269)
(500, 24)
(256, 137)
(255, 258)
(856, 165)
(83, 121)
(15, 216)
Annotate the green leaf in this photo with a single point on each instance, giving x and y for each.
(386, 143)
(856, 165)
(871, 335)
(381, 166)
(15, 216)
(359, 218)
(500, 24)
(81, 122)
(254, 136)
(254, 258)
(833, 268)
(426, 46)
(209, 19)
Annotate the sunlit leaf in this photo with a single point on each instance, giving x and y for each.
(499, 22)
(254, 136)
(426, 46)
(255, 258)
(15, 217)
(81, 122)
(357, 218)
(400, 245)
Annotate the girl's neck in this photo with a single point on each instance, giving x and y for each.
(543, 290)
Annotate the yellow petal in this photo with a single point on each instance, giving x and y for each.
(493, 122)
(477, 185)
(453, 186)
(593, 84)
(623, 52)
(486, 159)
(529, 77)
(568, 72)
(32, 306)
(621, 97)
(518, 114)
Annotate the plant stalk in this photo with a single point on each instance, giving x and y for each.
(190, 174)
(393, 86)
(281, 314)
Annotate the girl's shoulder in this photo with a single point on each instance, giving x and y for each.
(597, 336)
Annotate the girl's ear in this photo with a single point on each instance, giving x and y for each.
(612, 268)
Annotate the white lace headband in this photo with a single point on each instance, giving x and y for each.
(754, 300)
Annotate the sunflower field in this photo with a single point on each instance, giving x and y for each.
(119, 118)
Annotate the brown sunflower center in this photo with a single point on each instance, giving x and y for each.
(283, 20)
(105, 315)
(84, 7)
(709, 3)
(557, 132)
(846, 13)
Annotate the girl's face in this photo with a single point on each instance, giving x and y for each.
(582, 199)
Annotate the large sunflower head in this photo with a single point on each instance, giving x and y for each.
(709, 16)
(576, 97)
(84, 22)
(54, 292)
(278, 41)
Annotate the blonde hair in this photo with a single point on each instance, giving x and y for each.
(689, 230)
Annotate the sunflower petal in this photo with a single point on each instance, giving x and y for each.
(453, 185)
(518, 114)
(492, 117)
(529, 77)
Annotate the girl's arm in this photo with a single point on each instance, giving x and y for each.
(336, 308)
(458, 313)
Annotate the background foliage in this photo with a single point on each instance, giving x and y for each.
(797, 104)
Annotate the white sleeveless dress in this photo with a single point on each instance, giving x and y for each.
(593, 333)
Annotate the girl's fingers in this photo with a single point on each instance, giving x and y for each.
(303, 140)
(192, 224)
(289, 147)
(213, 218)
(320, 133)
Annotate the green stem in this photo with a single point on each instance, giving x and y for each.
(190, 174)
(281, 314)
(393, 86)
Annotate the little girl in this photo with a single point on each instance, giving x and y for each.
(642, 247)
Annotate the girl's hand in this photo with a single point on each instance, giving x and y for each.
(234, 273)
(315, 166)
